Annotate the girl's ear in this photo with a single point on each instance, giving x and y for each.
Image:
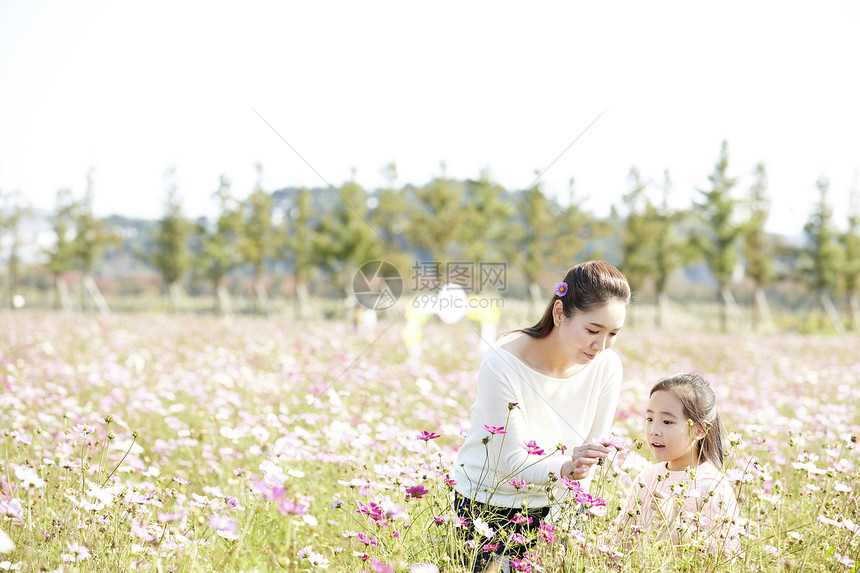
(699, 432)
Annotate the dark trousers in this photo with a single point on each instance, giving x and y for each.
(499, 519)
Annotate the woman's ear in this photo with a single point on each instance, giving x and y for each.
(557, 312)
(699, 432)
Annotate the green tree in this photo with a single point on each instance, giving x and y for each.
(11, 214)
(91, 239)
(758, 250)
(670, 251)
(823, 253)
(850, 240)
(541, 234)
(390, 218)
(344, 238)
(574, 230)
(61, 255)
(484, 204)
(171, 257)
(637, 256)
(299, 246)
(437, 224)
(218, 243)
(719, 245)
(256, 244)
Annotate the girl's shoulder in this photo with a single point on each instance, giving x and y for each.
(707, 470)
(712, 478)
(652, 472)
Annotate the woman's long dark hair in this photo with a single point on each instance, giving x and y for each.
(700, 406)
(589, 285)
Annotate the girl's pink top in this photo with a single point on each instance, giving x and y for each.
(708, 511)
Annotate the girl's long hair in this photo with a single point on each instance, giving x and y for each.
(700, 406)
(589, 285)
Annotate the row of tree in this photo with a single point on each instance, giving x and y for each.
(331, 232)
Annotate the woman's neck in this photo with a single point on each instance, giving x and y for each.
(547, 357)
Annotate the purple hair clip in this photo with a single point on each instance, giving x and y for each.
(560, 288)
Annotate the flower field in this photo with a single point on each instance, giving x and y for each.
(192, 443)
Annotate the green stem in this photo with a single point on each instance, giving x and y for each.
(107, 479)
(103, 456)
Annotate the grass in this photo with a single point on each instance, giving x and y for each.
(258, 444)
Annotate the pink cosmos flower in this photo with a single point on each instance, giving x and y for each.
(380, 567)
(267, 491)
(520, 483)
(84, 429)
(457, 522)
(598, 507)
(532, 448)
(225, 526)
(590, 501)
(78, 552)
(495, 429)
(427, 436)
(518, 538)
(520, 565)
(141, 532)
(520, 519)
(375, 514)
(416, 491)
(423, 568)
(571, 484)
(610, 441)
(289, 507)
(547, 532)
(368, 540)
(12, 508)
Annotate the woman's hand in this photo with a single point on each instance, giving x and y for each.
(582, 458)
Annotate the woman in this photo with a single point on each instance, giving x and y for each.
(545, 393)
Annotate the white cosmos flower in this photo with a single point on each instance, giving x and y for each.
(6, 545)
(484, 529)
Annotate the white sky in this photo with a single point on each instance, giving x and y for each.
(131, 89)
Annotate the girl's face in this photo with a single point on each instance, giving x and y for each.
(670, 437)
(587, 334)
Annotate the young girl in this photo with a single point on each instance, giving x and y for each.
(685, 494)
(544, 394)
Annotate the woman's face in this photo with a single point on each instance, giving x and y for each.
(587, 334)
